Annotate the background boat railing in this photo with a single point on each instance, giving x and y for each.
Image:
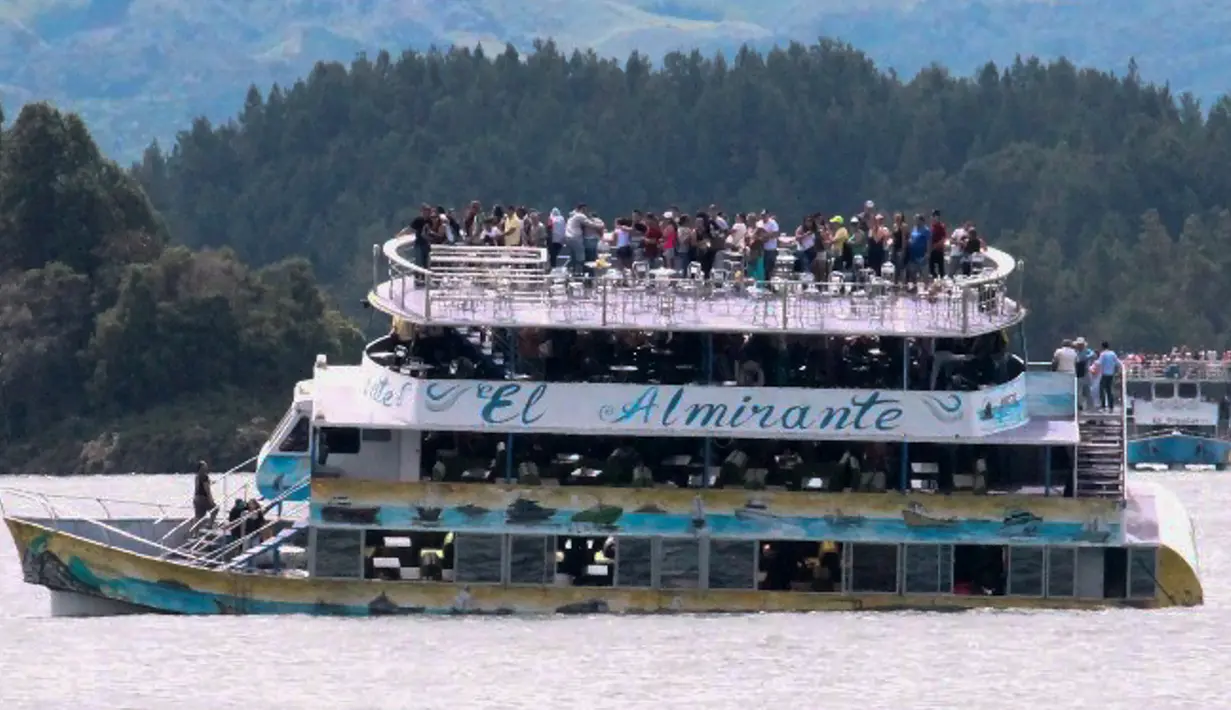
(189, 525)
(498, 281)
(1201, 370)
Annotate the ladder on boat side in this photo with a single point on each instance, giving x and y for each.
(1100, 455)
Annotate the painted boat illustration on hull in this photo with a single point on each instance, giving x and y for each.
(604, 516)
(1094, 531)
(841, 521)
(1020, 523)
(524, 510)
(427, 514)
(756, 511)
(916, 516)
(342, 510)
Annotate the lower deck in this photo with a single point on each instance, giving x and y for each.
(674, 565)
(490, 577)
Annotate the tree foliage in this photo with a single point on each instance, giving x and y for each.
(99, 319)
(1112, 191)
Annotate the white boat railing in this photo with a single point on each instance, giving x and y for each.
(497, 285)
(1176, 370)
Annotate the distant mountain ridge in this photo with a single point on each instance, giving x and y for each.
(141, 69)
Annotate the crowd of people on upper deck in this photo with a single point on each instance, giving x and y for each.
(1182, 362)
(899, 248)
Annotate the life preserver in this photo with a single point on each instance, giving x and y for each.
(751, 374)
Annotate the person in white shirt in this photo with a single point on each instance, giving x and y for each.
(771, 242)
(1065, 359)
(957, 242)
(574, 236)
(556, 225)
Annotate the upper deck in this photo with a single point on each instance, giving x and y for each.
(512, 287)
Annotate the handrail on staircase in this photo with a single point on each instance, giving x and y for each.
(221, 554)
(1123, 436)
(194, 522)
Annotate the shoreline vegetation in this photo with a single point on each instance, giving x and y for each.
(154, 316)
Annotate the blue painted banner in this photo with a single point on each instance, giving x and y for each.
(1051, 395)
(277, 473)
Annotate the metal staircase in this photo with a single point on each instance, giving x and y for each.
(1100, 455)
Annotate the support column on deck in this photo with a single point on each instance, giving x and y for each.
(511, 358)
(1046, 471)
(708, 455)
(904, 480)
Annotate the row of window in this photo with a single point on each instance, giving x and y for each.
(692, 563)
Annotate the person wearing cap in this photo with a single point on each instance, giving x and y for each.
(843, 256)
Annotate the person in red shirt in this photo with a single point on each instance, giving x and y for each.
(651, 246)
(936, 255)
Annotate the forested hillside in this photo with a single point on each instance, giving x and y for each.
(138, 69)
(1113, 191)
(117, 351)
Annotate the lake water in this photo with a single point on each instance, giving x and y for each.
(986, 660)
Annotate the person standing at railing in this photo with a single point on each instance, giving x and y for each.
(203, 505)
(1107, 365)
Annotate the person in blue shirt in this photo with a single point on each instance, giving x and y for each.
(917, 249)
(1108, 366)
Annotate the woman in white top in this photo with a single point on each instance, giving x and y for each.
(624, 242)
(805, 244)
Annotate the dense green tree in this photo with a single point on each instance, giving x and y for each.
(1086, 176)
(101, 322)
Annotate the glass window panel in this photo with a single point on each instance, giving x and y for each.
(1061, 572)
(338, 553)
(1090, 564)
(874, 568)
(1142, 571)
(478, 558)
(680, 566)
(928, 569)
(532, 559)
(634, 562)
(733, 564)
(1026, 571)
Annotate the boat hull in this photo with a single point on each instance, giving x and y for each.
(1178, 451)
(67, 563)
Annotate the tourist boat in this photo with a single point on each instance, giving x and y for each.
(531, 440)
(1175, 420)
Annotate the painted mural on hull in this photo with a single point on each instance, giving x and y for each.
(63, 562)
(726, 513)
